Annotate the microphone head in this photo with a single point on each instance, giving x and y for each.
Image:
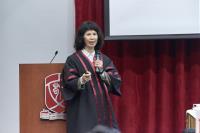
(98, 52)
(56, 52)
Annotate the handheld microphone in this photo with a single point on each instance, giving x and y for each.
(98, 70)
(54, 56)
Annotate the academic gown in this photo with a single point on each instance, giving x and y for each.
(90, 105)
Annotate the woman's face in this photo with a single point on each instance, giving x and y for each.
(90, 39)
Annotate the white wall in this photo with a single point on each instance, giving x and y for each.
(30, 32)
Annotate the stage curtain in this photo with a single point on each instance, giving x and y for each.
(160, 78)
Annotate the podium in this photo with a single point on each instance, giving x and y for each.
(193, 118)
(32, 99)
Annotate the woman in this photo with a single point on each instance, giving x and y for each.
(88, 78)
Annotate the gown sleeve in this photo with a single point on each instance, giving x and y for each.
(115, 79)
(69, 79)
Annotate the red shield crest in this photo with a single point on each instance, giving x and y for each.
(53, 97)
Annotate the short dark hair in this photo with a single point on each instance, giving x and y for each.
(85, 26)
(103, 129)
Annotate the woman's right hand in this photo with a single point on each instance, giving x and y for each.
(86, 77)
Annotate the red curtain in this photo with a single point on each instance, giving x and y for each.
(161, 78)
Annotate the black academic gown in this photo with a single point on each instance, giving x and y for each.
(91, 105)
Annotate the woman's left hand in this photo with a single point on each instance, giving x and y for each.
(98, 63)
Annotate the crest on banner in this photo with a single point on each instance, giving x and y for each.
(54, 102)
